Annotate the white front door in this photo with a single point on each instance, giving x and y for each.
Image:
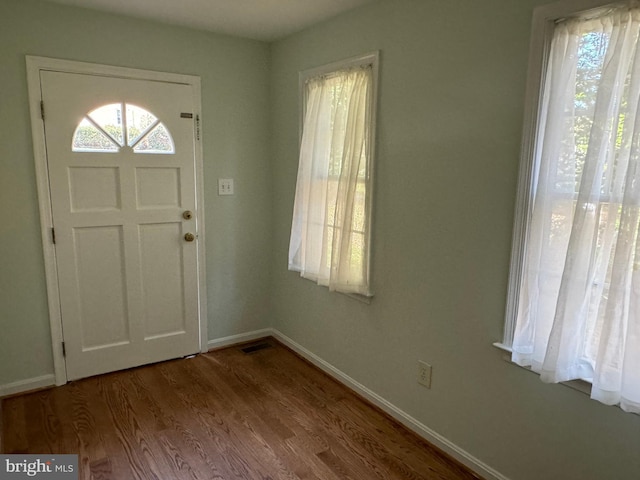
(121, 166)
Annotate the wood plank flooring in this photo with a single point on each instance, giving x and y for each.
(267, 415)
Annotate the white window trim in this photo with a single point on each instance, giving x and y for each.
(373, 59)
(581, 386)
(544, 19)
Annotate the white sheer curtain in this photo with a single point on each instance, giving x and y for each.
(330, 229)
(579, 307)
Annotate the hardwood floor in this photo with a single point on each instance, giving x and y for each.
(224, 415)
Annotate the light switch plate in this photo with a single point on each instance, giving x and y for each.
(225, 186)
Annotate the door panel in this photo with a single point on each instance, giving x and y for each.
(164, 311)
(94, 189)
(158, 187)
(102, 292)
(122, 172)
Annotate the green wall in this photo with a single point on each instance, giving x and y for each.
(450, 118)
(235, 105)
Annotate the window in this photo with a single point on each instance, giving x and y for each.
(331, 228)
(574, 306)
(104, 130)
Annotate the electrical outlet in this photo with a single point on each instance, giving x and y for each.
(424, 374)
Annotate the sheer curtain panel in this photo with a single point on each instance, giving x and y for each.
(330, 229)
(579, 306)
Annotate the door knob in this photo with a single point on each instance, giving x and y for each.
(187, 215)
(189, 237)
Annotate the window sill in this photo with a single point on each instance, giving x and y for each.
(358, 297)
(581, 386)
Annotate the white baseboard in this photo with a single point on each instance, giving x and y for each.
(27, 385)
(240, 338)
(405, 419)
(50, 380)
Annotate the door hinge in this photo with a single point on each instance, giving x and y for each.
(42, 109)
(53, 235)
(64, 350)
(198, 127)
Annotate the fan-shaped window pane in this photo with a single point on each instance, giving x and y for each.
(88, 138)
(104, 130)
(139, 121)
(158, 140)
(109, 118)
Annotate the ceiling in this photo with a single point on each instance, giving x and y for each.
(257, 19)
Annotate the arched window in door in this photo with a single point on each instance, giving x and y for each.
(119, 125)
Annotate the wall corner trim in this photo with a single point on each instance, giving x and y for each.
(240, 338)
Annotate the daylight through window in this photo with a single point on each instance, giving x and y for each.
(330, 231)
(104, 130)
(578, 310)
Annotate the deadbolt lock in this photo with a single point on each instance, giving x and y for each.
(189, 237)
(187, 215)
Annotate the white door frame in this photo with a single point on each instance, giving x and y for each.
(34, 66)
